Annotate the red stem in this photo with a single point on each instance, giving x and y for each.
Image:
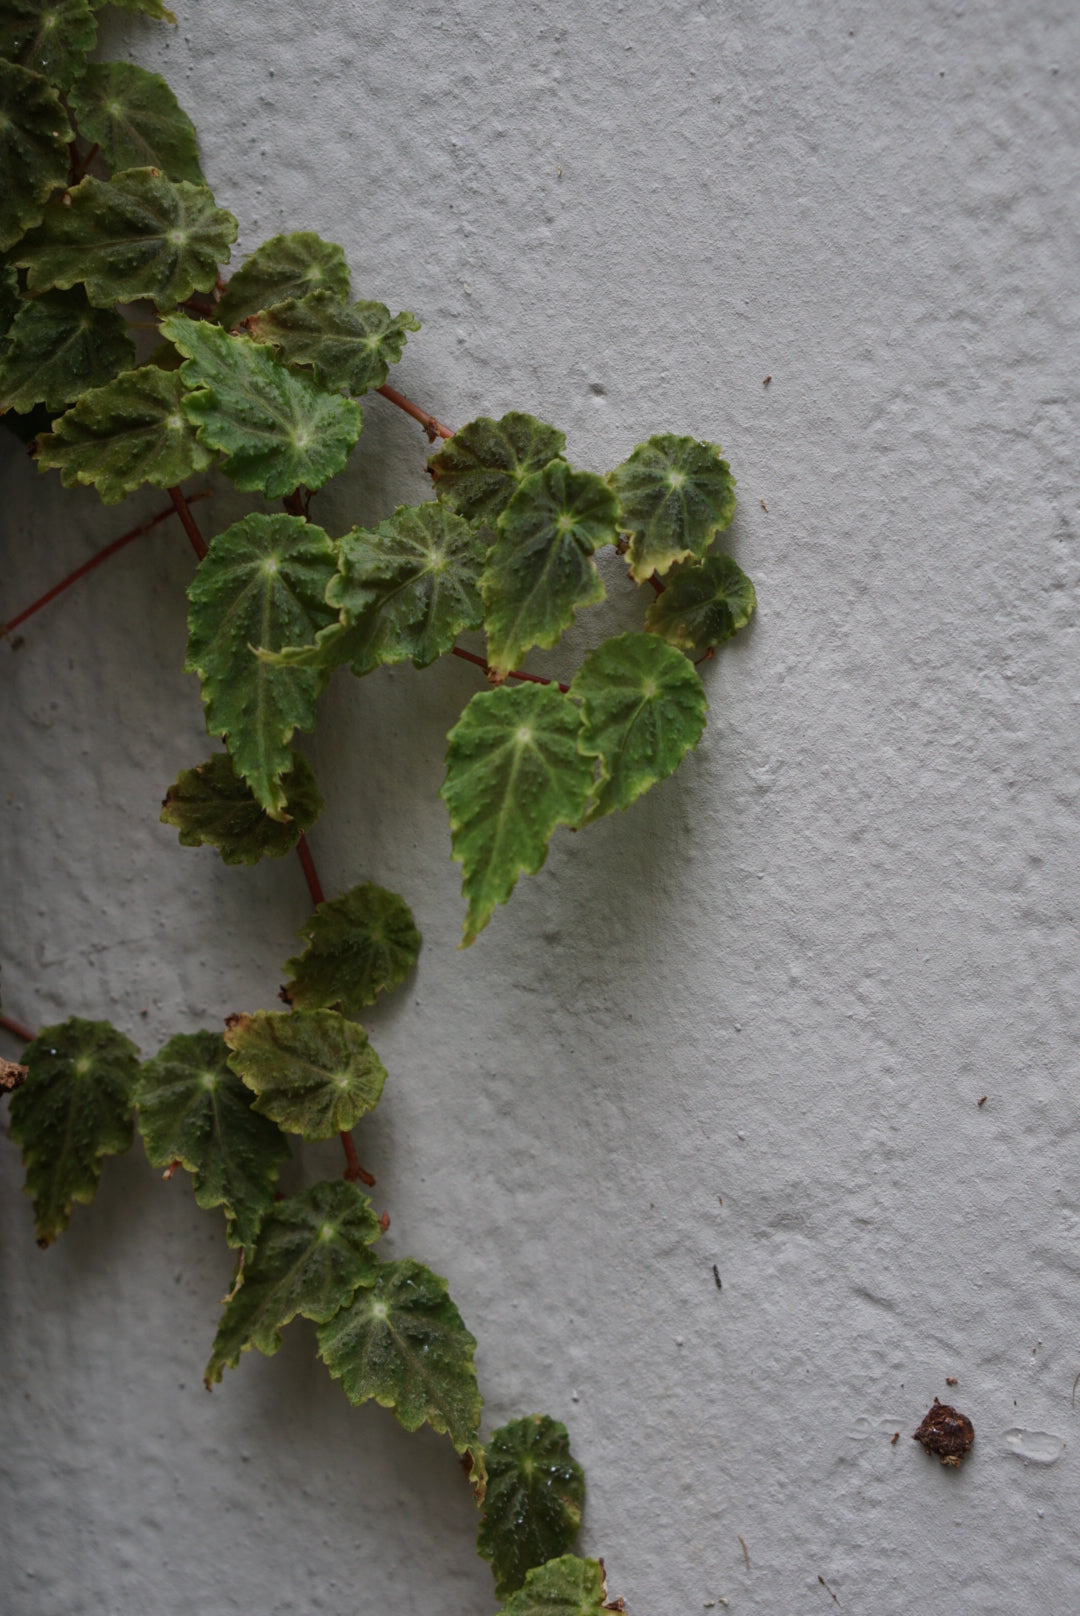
(431, 426)
(180, 504)
(530, 678)
(94, 561)
(353, 1169)
(311, 874)
(17, 1030)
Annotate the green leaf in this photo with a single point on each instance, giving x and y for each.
(136, 120)
(540, 570)
(34, 136)
(675, 495)
(513, 772)
(263, 583)
(565, 1587)
(277, 429)
(480, 469)
(194, 1110)
(359, 946)
(284, 267)
(351, 347)
(135, 235)
(403, 1343)
(411, 582)
(314, 1073)
(75, 1108)
(212, 804)
(50, 37)
(644, 709)
(129, 432)
(147, 8)
(535, 1496)
(313, 1254)
(703, 605)
(58, 347)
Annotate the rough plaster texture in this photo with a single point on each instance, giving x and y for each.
(785, 979)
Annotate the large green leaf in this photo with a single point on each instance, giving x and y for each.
(50, 37)
(540, 569)
(129, 432)
(403, 1343)
(675, 495)
(34, 136)
(263, 583)
(350, 346)
(136, 120)
(313, 1254)
(284, 267)
(535, 1496)
(513, 772)
(480, 469)
(703, 605)
(644, 709)
(564, 1587)
(359, 945)
(135, 235)
(313, 1072)
(194, 1110)
(58, 347)
(75, 1108)
(212, 804)
(276, 428)
(411, 583)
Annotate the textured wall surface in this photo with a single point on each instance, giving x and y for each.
(747, 1023)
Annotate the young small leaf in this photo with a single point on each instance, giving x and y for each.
(263, 583)
(194, 1110)
(58, 347)
(480, 469)
(313, 1072)
(535, 1496)
(513, 772)
(34, 135)
(50, 37)
(136, 120)
(412, 581)
(540, 569)
(644, 709)
(313, 1254)
(75, 1108)
(703, 605)
(675, 495)
(359, 945)
(214, 805)
(136, 235)
(403, 1343)
(276, 428)
(346, 346)
(564, 1587)
(283, 267)
(129, 432)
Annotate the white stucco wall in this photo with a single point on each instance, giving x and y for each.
(784, 979)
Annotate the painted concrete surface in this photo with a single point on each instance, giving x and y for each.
(749, 1022)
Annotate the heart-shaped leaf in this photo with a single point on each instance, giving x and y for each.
(359, 945)
(58, 347)
(313, 1072)
(675, 495)
(312, 1255)
(480, 469)
(133, 116)
(535, 1496)
(213, 804)
(284, 267)
(135, 235)
(703, 605)
(351, 346)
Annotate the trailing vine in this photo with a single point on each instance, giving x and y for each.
(126, 360)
